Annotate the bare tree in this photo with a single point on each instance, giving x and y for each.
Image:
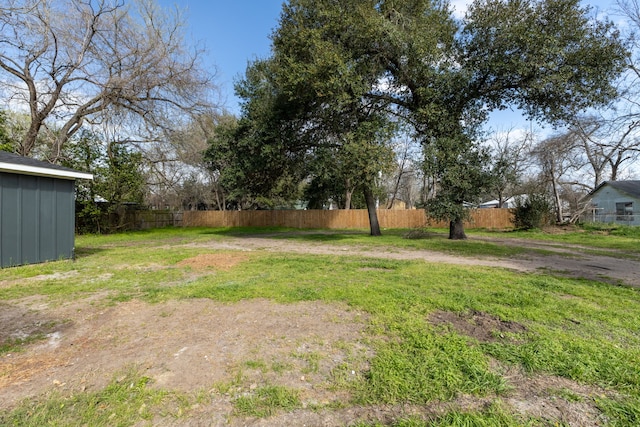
(401, 181)
(177, 166)
(631, 10)
(510, 160)
(555, 157)
(71, 62)
(606, 144)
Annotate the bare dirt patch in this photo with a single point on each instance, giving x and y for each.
(53, 276)
(197, 345)
(188, 346)
(481, 326)
(551, 398)
(20, 324)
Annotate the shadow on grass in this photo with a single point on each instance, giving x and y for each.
(88, 251)
(321, 235)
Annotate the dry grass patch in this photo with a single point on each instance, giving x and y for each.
(217, 261)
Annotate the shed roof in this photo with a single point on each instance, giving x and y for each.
(14, 163)
(632, 188)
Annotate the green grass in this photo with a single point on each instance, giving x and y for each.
(266, 401)
(493, 416)
(616, 237)
(582, 330)
(434, 240)
(127, 400)
(621, 412)
(13, 345)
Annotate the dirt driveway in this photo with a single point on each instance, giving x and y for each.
(190, 346)
(562, 259)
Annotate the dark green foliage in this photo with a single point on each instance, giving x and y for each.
(553, 61)
(118, 182)
(534, 211)
(257, 170)
(305, 115)
(6, 143)
(463, 175)
(344, 73)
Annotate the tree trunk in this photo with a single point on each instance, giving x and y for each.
(500, 199)
(395, 191)
(557, 201)
(456, 230)
(374, 225)
(598, 178)
(220, 198)
(615, 166)
(29, 140)
(348, 194)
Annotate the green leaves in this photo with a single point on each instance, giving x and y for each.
(345, 75)
(548, 57)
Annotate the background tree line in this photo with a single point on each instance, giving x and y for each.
(361, 104)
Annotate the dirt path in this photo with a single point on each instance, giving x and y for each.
(568, 260)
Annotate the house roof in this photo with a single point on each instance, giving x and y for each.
(14, 163)
(508, 201)
(632, 188)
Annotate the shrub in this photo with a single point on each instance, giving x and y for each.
(534, 211)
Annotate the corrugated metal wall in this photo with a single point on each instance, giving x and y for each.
(37, 216)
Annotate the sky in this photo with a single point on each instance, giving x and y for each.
(233, 32)
(237, 31)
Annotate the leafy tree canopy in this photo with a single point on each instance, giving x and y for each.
(344, 71)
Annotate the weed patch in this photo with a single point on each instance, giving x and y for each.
(126, 400)
(266, 401)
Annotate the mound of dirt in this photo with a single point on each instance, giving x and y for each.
(476, 324)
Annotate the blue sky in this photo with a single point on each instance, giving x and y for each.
(235, 32)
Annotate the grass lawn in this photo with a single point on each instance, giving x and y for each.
(581, 331)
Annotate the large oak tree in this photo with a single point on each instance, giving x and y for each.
(340, 66)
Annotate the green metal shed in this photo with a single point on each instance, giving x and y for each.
(37, 210)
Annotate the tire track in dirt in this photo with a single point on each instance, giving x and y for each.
(564, 260)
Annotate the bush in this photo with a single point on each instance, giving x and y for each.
(534, 211)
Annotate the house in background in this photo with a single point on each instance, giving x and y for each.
(508, 203)
(615, 202)
(37, 210)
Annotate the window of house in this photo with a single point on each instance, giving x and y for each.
(624, 211)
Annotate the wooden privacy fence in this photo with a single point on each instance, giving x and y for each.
(143, 220)
(338, 219)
